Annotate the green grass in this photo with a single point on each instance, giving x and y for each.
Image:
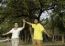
(44, 44)
(4, 44)
(1, 44)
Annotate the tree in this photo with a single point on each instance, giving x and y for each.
(16, 10)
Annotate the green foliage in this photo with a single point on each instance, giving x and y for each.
(17, 9)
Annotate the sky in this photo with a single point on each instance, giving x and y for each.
(45, 14)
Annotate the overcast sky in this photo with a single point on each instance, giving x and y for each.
(45, 15)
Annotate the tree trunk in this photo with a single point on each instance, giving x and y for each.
(63, 38)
